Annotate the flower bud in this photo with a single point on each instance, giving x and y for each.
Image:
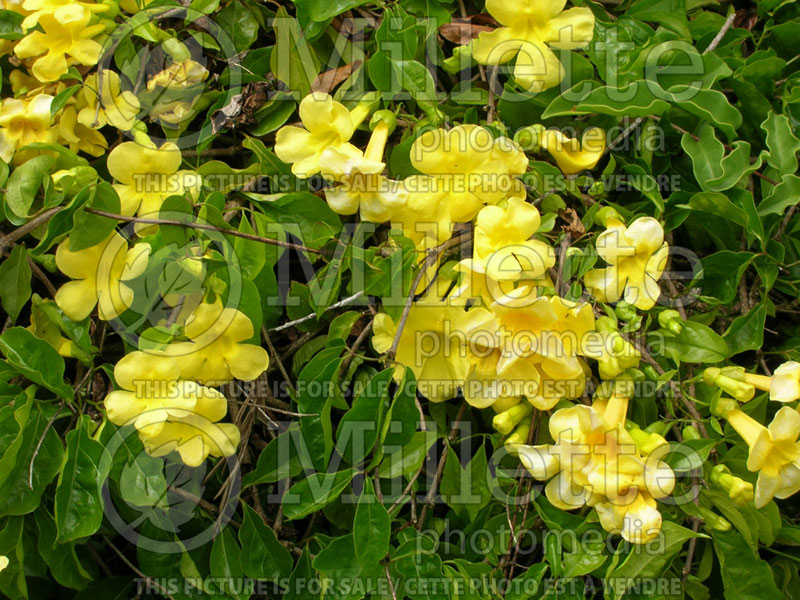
(529, 138)
(518, 438)
(505, 421)
(625, 311)
(670, 320)
(730, 380)
(722, 406)
(607, 214)
(690, 433)
(713, 520)
(739, 490)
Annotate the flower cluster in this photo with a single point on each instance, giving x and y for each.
(500, 335)
(774, 451)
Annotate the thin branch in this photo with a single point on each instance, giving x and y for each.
(133, 568)
(335, 305)
(723, 30)
(39, 445)
(203, 227)
(22, 230)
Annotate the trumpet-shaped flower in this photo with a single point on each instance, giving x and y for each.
(774, 452)
(66, 40)
(218, 352)
(361, 187)
(111, 107)
(24, 122)
(783, 385)
(37, 8)
(469, 167)
(170, 414)
(596, 462)
(179, 76)
(427, 346)
(530, 29)
(327, 124)
(573, 156)
(77, 136)
(636, 255)
(147, 175)
(99, 273)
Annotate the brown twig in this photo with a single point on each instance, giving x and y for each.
(8, 239)
(133, 568)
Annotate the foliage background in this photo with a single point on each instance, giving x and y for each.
(726, 162)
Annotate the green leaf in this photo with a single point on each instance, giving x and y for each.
(782, 196)
(314, 492)
(266, 557)
(715, 171)
(409, 458)
(640, 566)
(782, 143)
(15, 281)
(226, 564)
(91, 229)
(35, 359)
(696, 343)
(717, 203)
(745, 576)
(78, 503)
(746, 332)
(371, 527)
(293, 60)
(22, 486)
(239, 23)
(322, 10)
(339, 565)
(635, 99)
(25, 182)
(358, 430)
(722, 272)
(711, 105)
(278, 460)
(403, 417)
(11, 25)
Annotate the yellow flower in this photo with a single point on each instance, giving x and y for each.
(3, 562)
(469, 167)
(362, 187)
(427, 346)
(179, 76)
(636, 255)
(170, 414)
(328, 124)
(785, 384)
(573, 156)
(525, 346)
(614, 354)
(77, 136)
(504, 251)
(114, 107)
(774, 452)
(530, 26)
(24, 122)
(596, 462)
(37, 8)
(99, 272)
(147, 175)
(217, 352)
(64, 41)
(507, 420)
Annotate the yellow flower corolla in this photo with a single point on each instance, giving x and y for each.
(503, 251)
(37, 8)
(24, 122)
(361, 187)
(170, 414)
(469, 167)
(573, 156)
(636, 255)
(596, 462)
(774, 452)
(328, 124)
(427, 346)
(66, 40)
(218, 352)
(179, 76)
(78, 137)
(783, 385)
(526, 346)
(113, 107)
(531, 28)
(3, 562)
(99, 273)
(147, 175)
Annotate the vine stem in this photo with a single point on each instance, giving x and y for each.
(10, 238)
(204, 227)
